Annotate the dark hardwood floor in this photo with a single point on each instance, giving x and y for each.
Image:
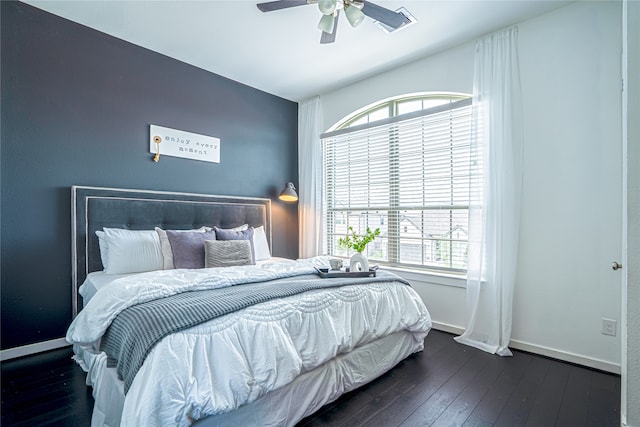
(448, 384)
(47, 389)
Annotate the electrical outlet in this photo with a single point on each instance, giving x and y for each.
(609, 327)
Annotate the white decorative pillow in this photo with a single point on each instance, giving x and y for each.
(129, 251)
(260, 244)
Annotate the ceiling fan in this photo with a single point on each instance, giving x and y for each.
(354, 10)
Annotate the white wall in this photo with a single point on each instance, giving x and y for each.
(572, 196)
(571, 220)
(450, 71)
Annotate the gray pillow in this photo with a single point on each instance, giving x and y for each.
(219, 253)
(222, 234)
(188, 247)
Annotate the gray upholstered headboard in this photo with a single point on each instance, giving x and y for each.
(94, 208)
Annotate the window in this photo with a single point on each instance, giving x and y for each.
(402, 166)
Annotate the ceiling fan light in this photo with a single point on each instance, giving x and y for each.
(354, 15)
(326, 23)
(327, 7)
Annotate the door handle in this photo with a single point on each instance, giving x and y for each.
(615, 265)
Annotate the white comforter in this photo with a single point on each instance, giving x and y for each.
(235, 359)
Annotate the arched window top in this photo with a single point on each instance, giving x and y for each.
(397, 106)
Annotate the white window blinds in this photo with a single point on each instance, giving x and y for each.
(408, 175)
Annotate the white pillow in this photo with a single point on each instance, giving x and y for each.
(260, 244)
(129, 251)
(238, 228)
(102, 241)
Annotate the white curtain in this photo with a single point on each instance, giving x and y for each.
(310, 175)
(494, 210)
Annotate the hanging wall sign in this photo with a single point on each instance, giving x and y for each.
(177, 143)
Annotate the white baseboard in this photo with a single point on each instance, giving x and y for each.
(590, 362)
(445, 327)
(26, 350)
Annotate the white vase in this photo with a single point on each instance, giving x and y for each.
(359, 262)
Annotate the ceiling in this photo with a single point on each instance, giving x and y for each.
(279, 52)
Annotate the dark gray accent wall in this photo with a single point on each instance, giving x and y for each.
(76, 109)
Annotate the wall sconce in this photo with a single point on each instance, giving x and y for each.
(289, 193)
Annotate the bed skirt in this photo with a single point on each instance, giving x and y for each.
(282, 407)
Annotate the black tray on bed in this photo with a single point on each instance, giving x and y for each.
(326, 273)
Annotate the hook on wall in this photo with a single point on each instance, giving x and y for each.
(157, 140)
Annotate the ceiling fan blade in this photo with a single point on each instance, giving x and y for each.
(386, 16)
(327, 38)
(280, 4)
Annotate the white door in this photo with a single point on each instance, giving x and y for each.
(630, 401)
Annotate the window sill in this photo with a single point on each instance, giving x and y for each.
(455, 280)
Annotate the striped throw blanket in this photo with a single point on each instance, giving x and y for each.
(135, 331)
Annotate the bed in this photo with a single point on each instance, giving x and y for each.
(284, 342)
